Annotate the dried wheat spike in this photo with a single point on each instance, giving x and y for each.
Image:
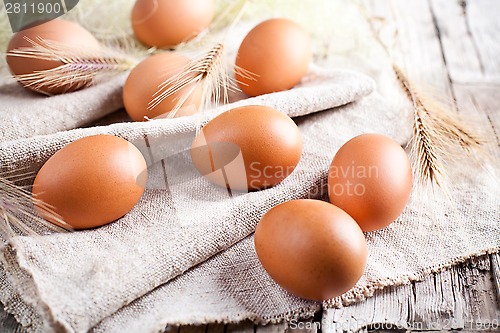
(80, 68)
(16, 210)
(209, 72)
(438, 136)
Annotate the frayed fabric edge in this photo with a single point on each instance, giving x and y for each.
(358, 295)
(20, 278)
(297, 314)
(361, 295)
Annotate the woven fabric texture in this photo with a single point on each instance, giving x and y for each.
(185, 254)
(71, 282)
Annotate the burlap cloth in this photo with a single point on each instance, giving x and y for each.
(185, 253)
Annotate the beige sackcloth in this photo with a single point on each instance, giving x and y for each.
(185, 253)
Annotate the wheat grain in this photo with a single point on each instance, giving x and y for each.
(79, 68)
(208, 71)
(438, 135)
(439, 139)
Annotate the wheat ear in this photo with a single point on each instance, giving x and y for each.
(438, 134)
(79, 68)
(16, 210)
(427, 164)
(207, 72)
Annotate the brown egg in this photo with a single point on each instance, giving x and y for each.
(248, 148)
(143, 83)
(311, 248)
(277, 52)
(71, 34)
(91, 182)
(170, 22)
(371, 179)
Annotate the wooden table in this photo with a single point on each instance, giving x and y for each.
(456, 44)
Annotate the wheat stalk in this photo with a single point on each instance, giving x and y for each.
(205, 71)
(439, 136)
(16, 210)
(427, 165)
(79, 68)
(209, 72)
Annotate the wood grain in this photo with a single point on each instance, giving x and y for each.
(444, 42)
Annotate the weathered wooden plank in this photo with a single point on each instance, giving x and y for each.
(462, 298)
(419, 40)
(8, 323)
(171, 329)
(278, 328)
(484, 26)
(192, 329)
(482, 299)
(244, 327)
(480, 103)
(215, 328)
(391, 310)
(460, 47)
(419, 48)
(427, 31)
(388, 308)
(495, 269)
(303, 326)
(475, 84)
(470, 48)
(466, 294)
(434, 306)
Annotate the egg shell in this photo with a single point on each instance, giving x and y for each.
(311, 248)
(91, 182)
(371, 179)
(255, 146)
(170, 22)
(277, 52)
(143, 83)
(71, 34)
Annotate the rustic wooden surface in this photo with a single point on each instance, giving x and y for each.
(455, 44)
(464, 298)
